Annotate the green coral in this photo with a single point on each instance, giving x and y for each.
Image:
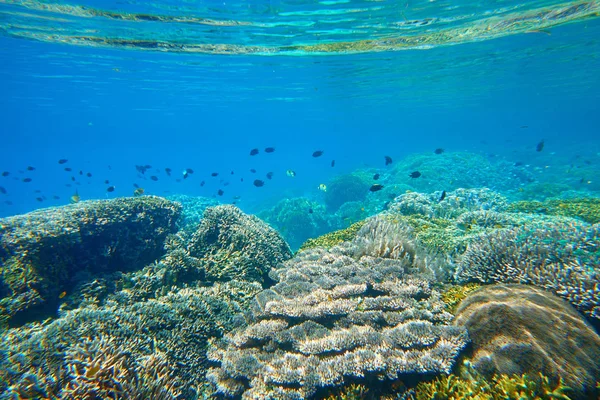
(470, 385)
(586, 209)
(333, 238)
(454, 294)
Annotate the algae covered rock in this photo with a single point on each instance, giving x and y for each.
(518, 329)
(234, 245)
(46, 252)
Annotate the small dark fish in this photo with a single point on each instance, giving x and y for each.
(154, 178)
(37, 191)
(443, 196)
(168, 171)
(73, 178)
(414, 174)
(232, 172)
(8, 203)
(253, 152)
(2, 190)
(524, 126)
(241, 179)
(106, 182)
(5, 173)
(135, 185)
(202, 183)
(226, 184)
(220, 192)
(80, 172)
(376, 187)
(142, 168)
(269, 149)
(63, 161)
(540, 146)
(253, 170)
(89, 174)
(39, 199)
(269, 175)
(56, 197)
(375, 177)
(518, 164)
(439, 150)
(214, 174)
(582, 180)
(26, 180)
(68, 169)
(310, 211)
(30, 168)
(110, 189)
(332, 163)
(317, 153)
(258, 183)
(189, 170)
(388, 160)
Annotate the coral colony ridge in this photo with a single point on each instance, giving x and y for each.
(471, 295)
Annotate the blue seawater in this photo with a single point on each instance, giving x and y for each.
(173, 84)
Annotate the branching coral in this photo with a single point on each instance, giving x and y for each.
(233, 245)
(586, 209)
(562, 258)
(333, 238)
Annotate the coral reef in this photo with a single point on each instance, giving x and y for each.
(563, 258)
(192, 210)
(587, 209)
(156, 336)
(518, 329)
(334, 238)
(298, 219)
(471, 385)
(454, 294)
(452, 170)
(46, 252)
(359, 310)
(345, 188)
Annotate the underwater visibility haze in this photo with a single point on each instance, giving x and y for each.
(291, 199)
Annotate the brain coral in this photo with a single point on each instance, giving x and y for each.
(517, 329)
(233, 245)
(351, 311)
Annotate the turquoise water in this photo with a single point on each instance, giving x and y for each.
(476, 106)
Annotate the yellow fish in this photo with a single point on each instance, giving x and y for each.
(75, 198)
(138, 192)
(63, 294)
(323, 187)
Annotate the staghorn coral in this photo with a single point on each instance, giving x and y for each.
(563, 258)
(233, 245)
(177, 325)
(587, 209)
(46, 252)
(469, 384)
(98, 368)
(454, 294)
(518, 329)
(335, 314)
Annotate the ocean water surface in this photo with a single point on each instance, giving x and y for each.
(289, 110)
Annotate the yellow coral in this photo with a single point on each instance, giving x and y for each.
(333, 238)
(453, 295)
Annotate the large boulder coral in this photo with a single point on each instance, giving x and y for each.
(234, 245)
(518, 329)
(358, 311)
(46, 252)
(345, 188)
(299, 219)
